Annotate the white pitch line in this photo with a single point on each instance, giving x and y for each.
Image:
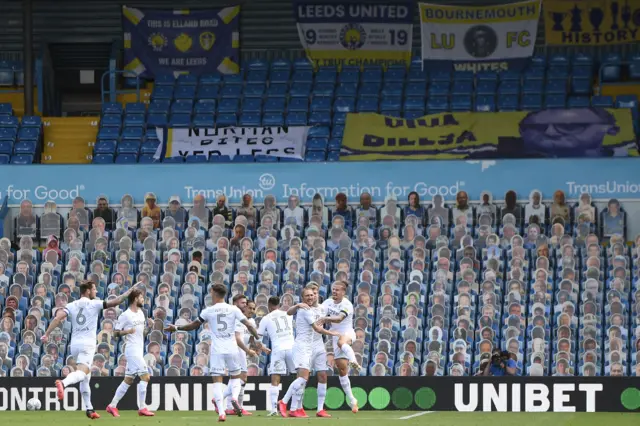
(415, 415)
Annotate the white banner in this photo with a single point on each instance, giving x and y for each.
(287, 142)
(354, 32)
(484, 38)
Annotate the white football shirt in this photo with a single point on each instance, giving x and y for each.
(84, 314)
(241, 328)
(336, 309)
(278, 326)
(134, 343)
(222, 319)
(305, 333)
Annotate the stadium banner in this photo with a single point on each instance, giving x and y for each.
(355, 32)
(478, 38)
(506, 394)
(577, 132)
(283, 142)
(591, 22)
(160, 42)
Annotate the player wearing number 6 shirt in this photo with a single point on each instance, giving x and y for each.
(278, 326)
(131, 325)
(222, 319)
(340, 315)
(83, 314)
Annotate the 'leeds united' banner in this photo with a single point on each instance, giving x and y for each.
(487, 38)
(287, 142)
(591, 22)
(576, 132)
(181, 41)
(355, 33)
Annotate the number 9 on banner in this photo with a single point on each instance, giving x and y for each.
(398, 37)
(310, 36)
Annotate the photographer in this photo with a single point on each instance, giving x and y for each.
(501, 364)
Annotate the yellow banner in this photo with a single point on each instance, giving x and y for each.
(577, 132)
(591, 22)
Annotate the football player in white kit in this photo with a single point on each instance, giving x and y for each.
(339, 312)
(308, 353)
(278, 326)
(243, 337)
(222, 319)
(131, 325)
(83, 314)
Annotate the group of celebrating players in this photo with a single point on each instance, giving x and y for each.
(234, 337)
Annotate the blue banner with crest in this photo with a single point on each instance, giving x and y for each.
(158, 42)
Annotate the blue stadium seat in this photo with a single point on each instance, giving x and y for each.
(334, 144)
(339, 117)
(302, 76)
(227, 119)
(5, 159)
(149, 146)
(250, 119)
(165, 80)
(196, 159)
(417, 75)
(349, 75)
(253, 105)
(128, 147)
(147, 159)
(319, 132)
(315, 156)
(627, 101)
(29, 134)
(395, 74)
(464, 87)
(579, 102)
(205, 107)
(232, 91)
(187, 80)
(219, 159)
(173, 160)
(22, 159)
(204, 121)
(300, 90)
(132, 133)
(254, 90)
(461, 103)
(302, 64)
(184, 92)
(31, 121)
(280, 76)
(157, 120)
(105, 147)
(162, 92)
(556, 87)
(337, 131)
(322, 118)
(414, 104)
(611, 67)
(6, 147)
(485, 103)
(111, 120)
(367, 105)
(581, 86)
(508, 103)
(333, 156)
(320, 104)
(257, 76)
(514, 76)
(487, 76)
(212, 79)
(602, 101)
(8, 134)
(234, 79)
(160, 106)
(344, 105)
(317, 144)
(509, 87)
(274, 104)
(298, 105)
(463, 76)
(257, 65)
(439, 88)
(180, 120)
(103, 133)
(208, 92)
(273, 119)
(437, 104)
(555, 101)
(486, 87)
(6, 109)
(418, 89)
(534, 74)
(228, 105)
(134, 120)
(278, 90)
(266, 159)
(391, 103)
(9, 121)
(532, 87)
(346, 90)
(370, 90)
(532, 102)
(539, 61)
(126, 158)
(372, 75)
(243, 159)
(102, 159)
(296, 119)
(323, 89)
(6, 74)
(392, 89)
(182, 106)
(326, 75)
(440, 76)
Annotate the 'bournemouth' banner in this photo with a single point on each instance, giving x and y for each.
(485, 38)
(577, 132)
(505, 394)
(355, 32)
(288, 142)
(591, 22)
(181, 41)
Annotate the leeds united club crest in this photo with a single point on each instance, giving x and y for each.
(353, 36)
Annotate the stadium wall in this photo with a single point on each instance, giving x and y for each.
(603, 178)
(528, 394)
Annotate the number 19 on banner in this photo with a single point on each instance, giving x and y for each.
(398, 37)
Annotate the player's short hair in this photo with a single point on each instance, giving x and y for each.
(219, 290)
(274, 301)
(134, 295)
(312, 285)
(342, 283)
(239, 297)
(86, 286)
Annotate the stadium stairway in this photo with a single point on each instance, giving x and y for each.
(69, 140)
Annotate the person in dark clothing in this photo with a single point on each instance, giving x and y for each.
(222, 209)
(104, 211)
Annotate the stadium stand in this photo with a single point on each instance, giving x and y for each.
(436, 287)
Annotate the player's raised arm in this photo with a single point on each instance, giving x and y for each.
(61, 315)
(118, 300)
(241, 345)
(318, 329)
(294, 309)
(194, 325)
(337, 319)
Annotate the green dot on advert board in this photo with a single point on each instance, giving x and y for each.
(630, 399)
(334, 399)
(361, 395)
(379, 398)
(425, 398)
(310, 398)
(402, 398)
